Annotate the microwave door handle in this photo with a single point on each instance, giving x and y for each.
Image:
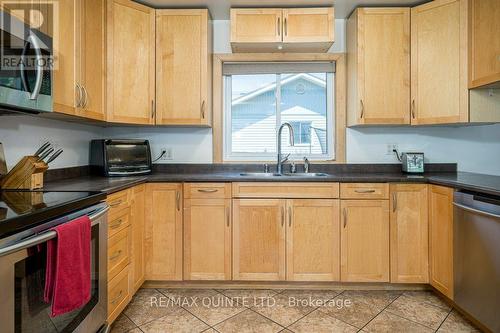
(39, 66)
(22, 70)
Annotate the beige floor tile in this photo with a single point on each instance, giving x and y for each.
(179, 322)
(456, 323)
(210, 330)
(122, 324)
(281, 311)
(388, 322)
(248, 322)
(148, 305)
(427, 297)
(351, 310)
(422, 313)
(249, 297)
(320, 322)
(135, 330)
(376, 298)
(213, 307)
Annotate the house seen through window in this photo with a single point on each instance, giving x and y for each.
(259, 97)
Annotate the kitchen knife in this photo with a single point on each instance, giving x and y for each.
(45, 154)
(42, 148)
(54, 156)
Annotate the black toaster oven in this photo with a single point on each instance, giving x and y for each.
(110, 157)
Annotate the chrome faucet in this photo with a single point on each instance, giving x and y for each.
(306, 165)
(279, 166)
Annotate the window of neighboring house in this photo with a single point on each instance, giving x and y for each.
(259, 97)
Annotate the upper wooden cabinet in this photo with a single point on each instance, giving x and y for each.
(183, 67)
(378, 66)
(163, 231)
(484, 47)
(439, 84)
(282, 30)
(130, 62)
(441, 239)
(409, 233)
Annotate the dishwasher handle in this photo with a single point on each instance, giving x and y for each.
(476, 211)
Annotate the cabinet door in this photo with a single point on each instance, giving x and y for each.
(138, 214)
(364, 241)
(66, 66)
(163, 239)
(409, 233)
(258, 239)
(313, 240)
(250, 25)
(130, 62)
(379, 60)
(207, 239)
(441, 239)
(182, 67)
(92, 58)
(484, 47)
(308, 25)
(439, 86)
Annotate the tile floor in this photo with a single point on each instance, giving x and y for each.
(262, 311)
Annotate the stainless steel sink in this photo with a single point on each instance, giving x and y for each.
(260, 174)
(310, 174)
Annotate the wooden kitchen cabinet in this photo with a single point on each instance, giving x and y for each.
(313, 240)
(130, 62)
(259, 239)
(364, 239)
(439, 83)
(163, 231)
(309, 25)
(183, 67)
(137, 217)
(256, 25)
(441, 239)
(378, 66)
(484, 43)
(409, 233)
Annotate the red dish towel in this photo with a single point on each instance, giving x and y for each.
(67, 276)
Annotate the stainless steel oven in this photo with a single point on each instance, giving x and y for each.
(22, 273)
(25, 67)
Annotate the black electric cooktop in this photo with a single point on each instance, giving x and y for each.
(20, 210)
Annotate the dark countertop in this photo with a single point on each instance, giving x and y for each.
(461, 180)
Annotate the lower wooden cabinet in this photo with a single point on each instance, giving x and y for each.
(441, 239)
(137, 216)
(163, 232)
(119, 294)
(409, 241)
(259, 239)
(364, 241)
(313, 240)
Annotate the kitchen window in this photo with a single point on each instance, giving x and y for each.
(259, 97)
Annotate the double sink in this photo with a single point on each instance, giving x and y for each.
(271, 174)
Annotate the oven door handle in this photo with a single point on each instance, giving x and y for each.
(43, 237)
(475, 211)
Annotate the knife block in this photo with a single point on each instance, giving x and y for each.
(26, 175)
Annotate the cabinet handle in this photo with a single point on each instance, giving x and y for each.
(178, 200)
(227, 217)
(364, 191)
(208, 190)
(278, 28)
(85, 100)
(282, 216)
(362, 109)
(344, 213)
(413, 109)
(115, 255)
(115, 203)
(114, 300)
(286, 28)
(394, 202)
(153, 111)
(289, 216)
(78, 96)
(203, 110)
(116, 224)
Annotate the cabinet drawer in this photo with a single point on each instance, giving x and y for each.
(118, 221)
(118, 294)
(364, 191)
(286, 190)
(118, 201)
(118, 252)
(207, 190)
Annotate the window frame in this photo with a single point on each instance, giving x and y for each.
(231, 156)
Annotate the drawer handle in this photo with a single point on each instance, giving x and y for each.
(364, 191)
(117, 298)
(208, 190)
(116, 224)
(116, 203)
(116, 255)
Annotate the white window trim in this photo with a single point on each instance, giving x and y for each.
(229, 156)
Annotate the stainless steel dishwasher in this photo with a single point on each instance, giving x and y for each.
(477, 256)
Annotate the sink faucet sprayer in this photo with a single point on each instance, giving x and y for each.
(279, 166)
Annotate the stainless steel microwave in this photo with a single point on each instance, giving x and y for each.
(25, 67)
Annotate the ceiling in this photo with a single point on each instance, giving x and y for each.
(220, 8)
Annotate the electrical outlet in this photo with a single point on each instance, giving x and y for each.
(390, 148)
(169, 155)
